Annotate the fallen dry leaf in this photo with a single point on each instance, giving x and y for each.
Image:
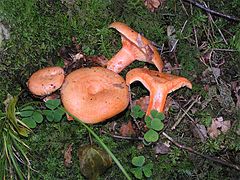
(142, 102)
(200, 131)
(68, 155)
(152, 5)
(218, 126)
(127, 129)
(74, 58)
(94, 161)
(236, 89)
(52, 97)
(162, 148)
(101, 60)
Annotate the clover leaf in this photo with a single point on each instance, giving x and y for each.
(54, 111)
(138, 161)
(137, 112)
(147, 169)
(52, 104)
(151, 136)
(157, 124)
(156, 114)
(31, 116)
(140, 169)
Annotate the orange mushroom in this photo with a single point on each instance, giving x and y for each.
(134, 46)
(158, 84)
(94, 94)
(46, 80)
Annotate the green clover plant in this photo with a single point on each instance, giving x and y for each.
(153, 122)
(137, 112)
(141, 168)
(54, 111)
(31, 115)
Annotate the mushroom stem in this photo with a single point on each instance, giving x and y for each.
(158, 84)
(120, 60)
(157, 101)
(134, 47)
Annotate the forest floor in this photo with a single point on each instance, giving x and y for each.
(198, 45)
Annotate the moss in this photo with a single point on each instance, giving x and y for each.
(40, 28)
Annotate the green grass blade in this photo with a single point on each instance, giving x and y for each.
(103, 145)
(15, 164)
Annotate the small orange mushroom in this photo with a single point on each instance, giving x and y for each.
(158, 84)
(45, 81)
(94, 94)
(134, 46)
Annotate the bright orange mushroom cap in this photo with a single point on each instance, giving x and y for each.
(158, 84)
(94, 94)
(134, 46)
(46, 80)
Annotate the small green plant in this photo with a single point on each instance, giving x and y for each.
(141, 168)
(32, 115)
(13, 151)
(54, 111)
(153, 122)
(137, 112)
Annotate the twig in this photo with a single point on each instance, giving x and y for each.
(195, 35)
(220, 32)
(227, 50)
(184, 8)
(184, 113)
(122, 137)
(175, 44)
(214, 159)
(201, 6)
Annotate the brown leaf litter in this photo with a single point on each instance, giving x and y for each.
(153, 5)
(218, 126)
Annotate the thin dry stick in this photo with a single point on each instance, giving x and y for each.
(220, 32)
(122, 137)
(227, 50)
(214, 159)
(201, 6)
(175, 44)
(195, 35)
(185, 10)
(185, 112)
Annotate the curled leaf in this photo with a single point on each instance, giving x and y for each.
(127, 129)
(68, 155)
(218, 126)
(152, 5)
(93, 161)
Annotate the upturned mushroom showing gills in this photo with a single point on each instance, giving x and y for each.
(94, 94)
(45, 81)
(158, 84)
(134, 47)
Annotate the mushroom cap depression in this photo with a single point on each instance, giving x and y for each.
(46, 80)
(94, 94)
(134, 46)
(158, 84)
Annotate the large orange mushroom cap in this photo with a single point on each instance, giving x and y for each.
(94, 94)
(158, 84)
(46, 80)
(134, 46)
